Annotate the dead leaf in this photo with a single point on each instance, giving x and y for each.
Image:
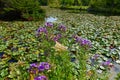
(31, 77)
(60, 47)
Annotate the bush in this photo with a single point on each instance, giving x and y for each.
(43, 2)
(54, 3)
(27, 9)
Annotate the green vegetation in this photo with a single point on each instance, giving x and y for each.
(109, 6)
(103, 6)
(25, 9)
(118, 76)
(64, 45)
(31, 10)
(25, 46)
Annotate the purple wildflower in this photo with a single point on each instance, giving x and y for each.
(41, 67)
(33, 65)
(86, 42)
(62, 27)
(47, 66)
(49, 24)
(106, 63)
(57, 37)
(82, 41)
(44, 66)
(41, 30)
(40, 78)
(33, 68)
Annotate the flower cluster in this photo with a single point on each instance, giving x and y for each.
(107, 64)
(57, 37)
(62, 27)
(83, 41)
(35, 67)
(49, 24)
(100, 63)
(41, 30)
(47, 32)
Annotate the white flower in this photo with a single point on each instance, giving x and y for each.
(50, 19)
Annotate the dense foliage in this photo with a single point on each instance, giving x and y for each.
(43, 2)
(66, 46)
(26, 9)
(30, 9)
(90, 45)
(111, 6)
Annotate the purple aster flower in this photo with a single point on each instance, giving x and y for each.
(33, 68)
(106, 63)
(41, 67)
(47, 66)
(41, 78)
(62, 27)
(33, 65)
(82, 41)
(85, 42)
(49, 24)
(57, 37)
(44, 66)
(41, 30)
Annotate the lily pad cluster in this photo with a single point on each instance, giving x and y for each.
(84, 47)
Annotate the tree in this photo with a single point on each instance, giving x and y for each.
(111, 6)
(85, 2)
(24, 8)
(67, 2)
(77, 2)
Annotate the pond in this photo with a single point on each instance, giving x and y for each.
(33, 49)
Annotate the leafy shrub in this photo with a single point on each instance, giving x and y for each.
(43, 2)
(27, 9)
(54, 3)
